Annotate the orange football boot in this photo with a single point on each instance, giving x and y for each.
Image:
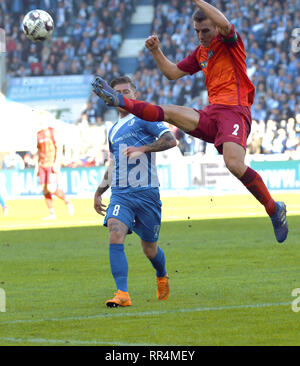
(163, 288)
(121, 299)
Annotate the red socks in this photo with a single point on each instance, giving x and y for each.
(144, 110)
(254, 183)
(49, 203)
(60, 194)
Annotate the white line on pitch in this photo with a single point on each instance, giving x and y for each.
(146, 313)
(69, 341)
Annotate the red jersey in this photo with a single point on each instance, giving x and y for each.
(47, 147)
(224, 66)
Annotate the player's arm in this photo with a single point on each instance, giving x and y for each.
(165, 142)
(168, 68)
(216, 16)
(103, 187)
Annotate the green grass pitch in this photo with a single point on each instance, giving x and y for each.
(231, 283)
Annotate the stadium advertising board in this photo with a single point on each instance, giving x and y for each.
(282, 175)
(211, 175)
(73, 181)
(47, 88)
(278, 175)
(64, 96)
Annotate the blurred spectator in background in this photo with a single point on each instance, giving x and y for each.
(48, 164)
(91, 113)
(77, 26)
(29, 160)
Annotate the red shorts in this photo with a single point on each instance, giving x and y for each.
(219, 123)
(47, 176)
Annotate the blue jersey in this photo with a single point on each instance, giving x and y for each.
(130, 175)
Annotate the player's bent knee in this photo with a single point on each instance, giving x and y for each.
(167, 111)
(185, 118)
(117, 231)
(116, 237)
(150, 249)
(235, 166)
(149, 253)
(230, 164)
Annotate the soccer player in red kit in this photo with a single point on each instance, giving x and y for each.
(48, 167)
(226, 121)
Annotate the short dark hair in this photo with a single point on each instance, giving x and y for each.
(199, 16)
(122, 80)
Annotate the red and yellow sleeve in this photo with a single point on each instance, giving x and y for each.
(190, 63)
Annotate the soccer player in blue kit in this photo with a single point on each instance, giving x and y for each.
(135, 200)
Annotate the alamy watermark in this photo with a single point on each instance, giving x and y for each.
(2, 41)
(296, 40)
(2, 301)
(139, 170)
(295, 307)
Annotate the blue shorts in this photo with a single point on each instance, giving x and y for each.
(140, 211)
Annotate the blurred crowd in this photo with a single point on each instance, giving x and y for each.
(88, 35)
(266, 28)
(86, 39)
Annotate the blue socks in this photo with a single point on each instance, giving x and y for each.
(159, 263)
(119, 265)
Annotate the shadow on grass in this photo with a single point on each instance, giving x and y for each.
(242, 228)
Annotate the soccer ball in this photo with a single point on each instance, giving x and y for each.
(38, 25)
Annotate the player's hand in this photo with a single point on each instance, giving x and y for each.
(133, 151)
(152, 43)
(99, 207)
(198, 2)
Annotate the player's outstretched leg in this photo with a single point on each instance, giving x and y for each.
(279, 222)
(107, 93)
(146, 111)
(234, 155)
(276, 210)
